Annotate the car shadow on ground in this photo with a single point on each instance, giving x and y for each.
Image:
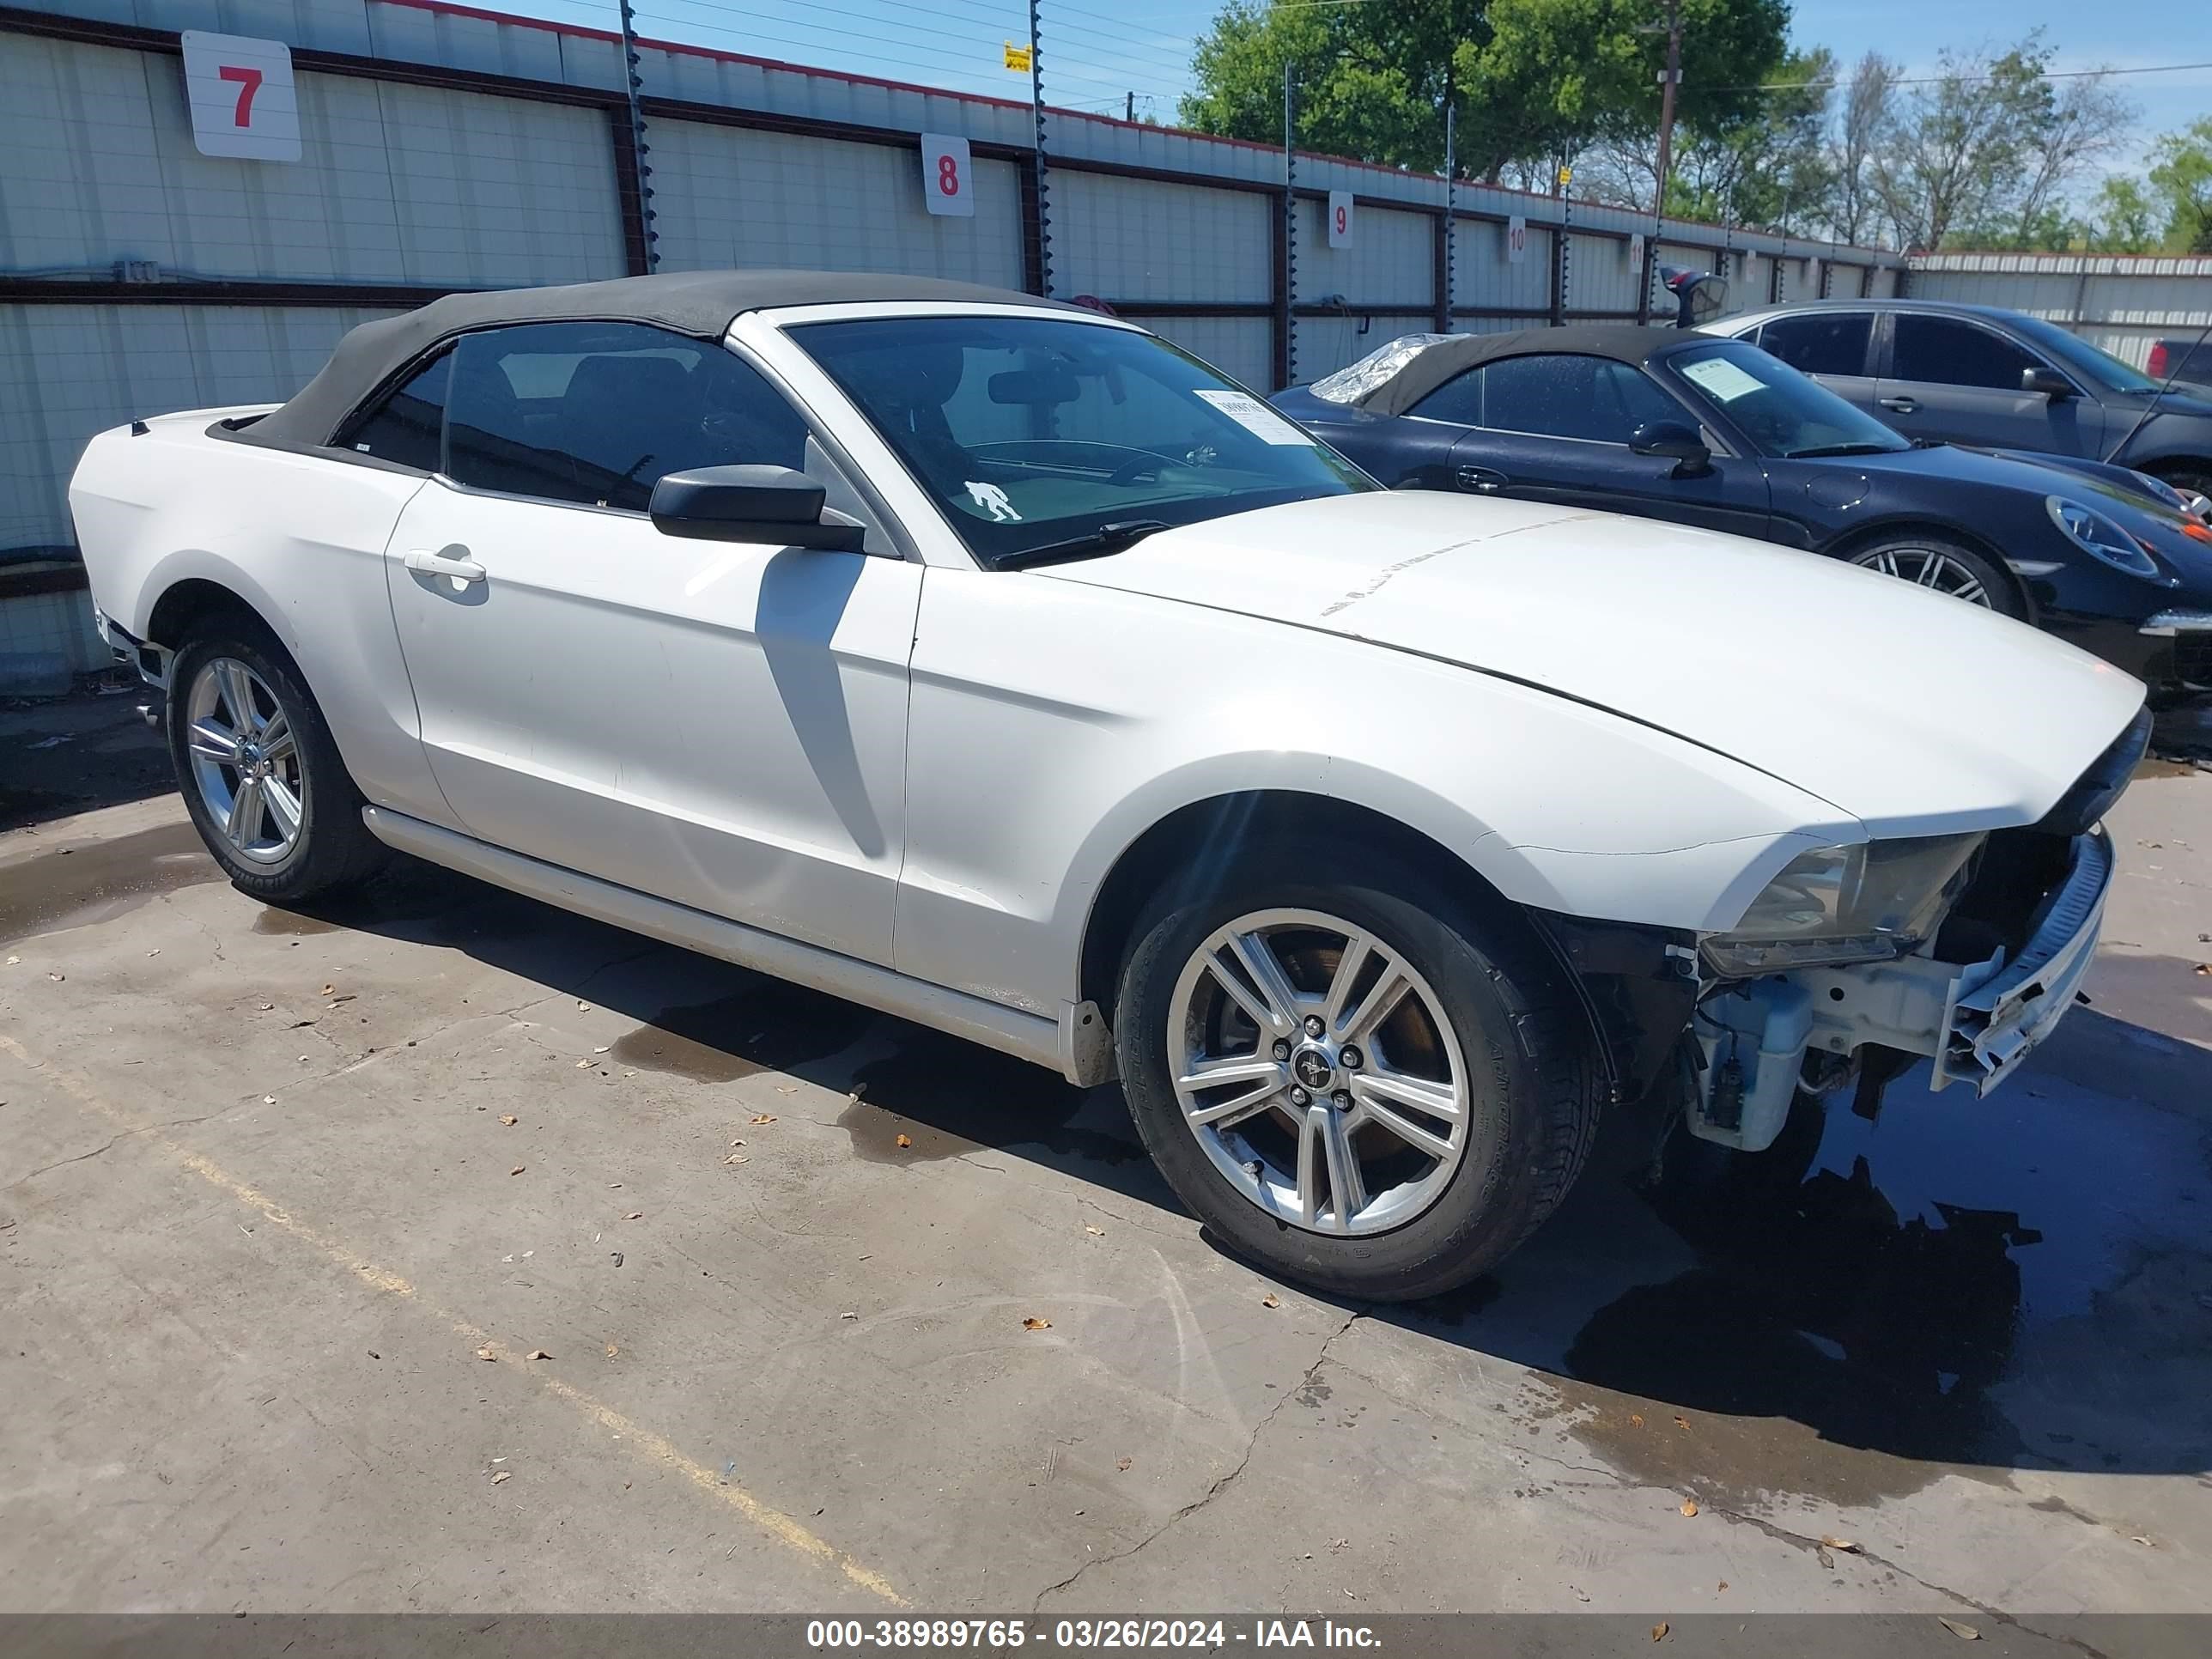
(2020, 1282)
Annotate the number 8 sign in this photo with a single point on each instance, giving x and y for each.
(947, 176)
(242, 101)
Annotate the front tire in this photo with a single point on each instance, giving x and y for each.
(1942, 565)
(260, 775)
(1351, 1075)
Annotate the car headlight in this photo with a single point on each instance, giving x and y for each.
(2097, 535)
(1865, 903)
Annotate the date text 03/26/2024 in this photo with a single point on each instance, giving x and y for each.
(1005, 1634)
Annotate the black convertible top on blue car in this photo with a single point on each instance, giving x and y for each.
(1706, 431)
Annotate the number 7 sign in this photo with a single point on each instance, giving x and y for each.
(242, 101)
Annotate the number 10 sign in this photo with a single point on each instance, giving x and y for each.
(946, 186)
(242, 101)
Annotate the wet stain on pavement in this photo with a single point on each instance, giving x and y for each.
(77, 883)
(1852, 1337)
(950, 1097)
(273, 923)
(768, 1027)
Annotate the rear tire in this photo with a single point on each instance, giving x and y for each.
(1944, 565)
(261, 776)
(1485, 1035)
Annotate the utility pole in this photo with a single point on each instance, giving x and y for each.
(1668, 79)
(1129, 109)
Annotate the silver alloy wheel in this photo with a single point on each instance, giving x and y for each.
(246, 760)
(1930, 568)
(1318, 1072)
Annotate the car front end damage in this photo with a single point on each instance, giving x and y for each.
(1965, 951)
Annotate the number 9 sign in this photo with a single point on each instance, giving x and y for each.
(1340, 218)
(242, 101)
(947, 176)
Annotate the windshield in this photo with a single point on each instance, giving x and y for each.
(2083, 358)
(1033, 431)
(1781, 411)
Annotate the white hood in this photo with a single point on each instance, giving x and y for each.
(1907, 709)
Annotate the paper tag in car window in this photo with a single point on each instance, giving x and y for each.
(1255, 417)
(1720, 379)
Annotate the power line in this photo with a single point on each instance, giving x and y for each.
(1938, 79)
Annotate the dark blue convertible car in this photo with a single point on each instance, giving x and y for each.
(1701, 430)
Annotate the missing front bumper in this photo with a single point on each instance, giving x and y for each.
(1976, 1021)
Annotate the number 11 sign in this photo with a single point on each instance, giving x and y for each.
(945, 186)
(243, 100)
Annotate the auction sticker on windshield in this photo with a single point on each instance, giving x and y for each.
(1720, 378)
(1255, 417)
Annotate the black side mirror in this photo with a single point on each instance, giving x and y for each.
(773, 505)
(1674, 442)
(2049, 381)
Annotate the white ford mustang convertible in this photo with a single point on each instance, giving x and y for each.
(997, 664)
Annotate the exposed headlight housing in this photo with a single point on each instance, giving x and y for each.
(2098, 535)
(1869, 901)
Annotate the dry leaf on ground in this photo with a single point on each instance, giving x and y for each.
(1689, 1506)
(1036, 1324)
(1096, 1232)
(613, 1351)
(539, 1354)
(509, 1119)
(584, 1063)
(1124, 1464)
(485, 1352)
(1271, 1300)
(504, 1474)
(634, 1215)
(1842, 1545)
(518, 1168)
(906, 1140)
(1659, 1630)
(763, 1117)
(1964, 1632)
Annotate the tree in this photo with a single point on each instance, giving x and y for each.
(1373, 80)
(2181, 178)
(1861, 126)
(2124, 218)
(1528, 80)
(1986, 153)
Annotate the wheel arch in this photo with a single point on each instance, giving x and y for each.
(1860, 536)
(1203, 837)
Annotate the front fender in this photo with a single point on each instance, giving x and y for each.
(1054, 723)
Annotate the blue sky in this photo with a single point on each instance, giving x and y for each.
(1097, 52)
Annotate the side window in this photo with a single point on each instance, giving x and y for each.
(595, 413)
(1821, 342)
(1458, 400)
(1558, 396)
(1639, 401)
(407, 427)
(1949, 353)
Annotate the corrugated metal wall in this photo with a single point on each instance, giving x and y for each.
(418, 174)
(2119, 302)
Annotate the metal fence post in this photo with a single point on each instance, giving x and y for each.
(643, 239)
(1447, 227)
(1042, 254)
(1286, 262)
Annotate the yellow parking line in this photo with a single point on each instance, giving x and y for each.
(657, 1448)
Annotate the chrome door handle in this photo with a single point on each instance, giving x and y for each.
(1902, 405)
(1479, 478)
(437, 564)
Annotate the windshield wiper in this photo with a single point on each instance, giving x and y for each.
(1107, 538)
(1840, 449)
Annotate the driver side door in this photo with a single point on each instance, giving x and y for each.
(1555, 427)
(716, 723)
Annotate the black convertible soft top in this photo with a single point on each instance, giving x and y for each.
(699, 303)
(1430, 367)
